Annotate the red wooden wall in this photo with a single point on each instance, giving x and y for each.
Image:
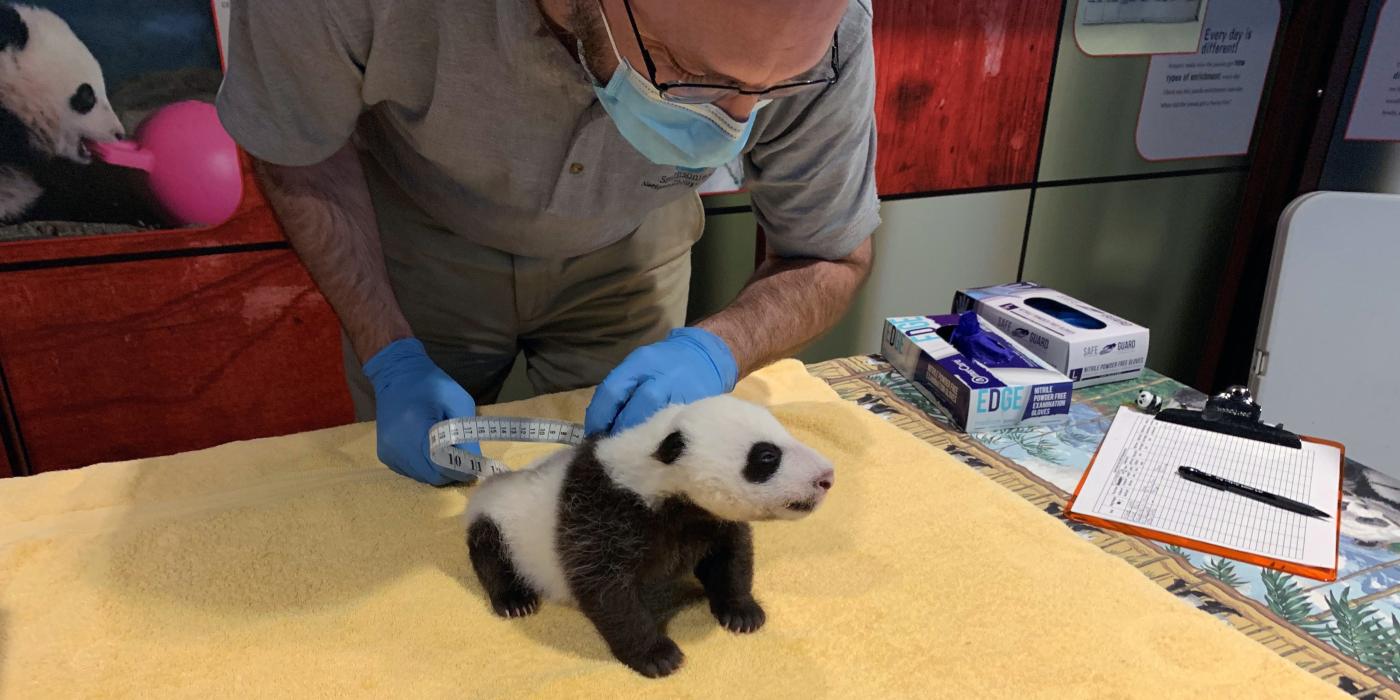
(132, 345)
(961, 94)
(152, 357)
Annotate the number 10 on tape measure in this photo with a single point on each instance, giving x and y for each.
(464, 466)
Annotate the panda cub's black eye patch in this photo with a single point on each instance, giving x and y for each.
(764, 458)
(83, 100)
(670, 449)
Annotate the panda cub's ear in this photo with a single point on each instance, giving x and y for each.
(14, 33)
(670, 449)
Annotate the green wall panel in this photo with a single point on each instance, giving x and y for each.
(924, 252)
(1152, 251)
(721, 262)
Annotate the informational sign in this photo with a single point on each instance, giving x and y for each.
(1375, 115)
(1134, 11)
(1205, 104)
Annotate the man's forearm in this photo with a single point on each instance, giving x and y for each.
(326, 212)
(787, 304)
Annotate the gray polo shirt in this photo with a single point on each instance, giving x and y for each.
(488, 123)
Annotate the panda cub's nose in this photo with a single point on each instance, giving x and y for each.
(825, 480)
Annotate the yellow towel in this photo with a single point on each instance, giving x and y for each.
(298, 567)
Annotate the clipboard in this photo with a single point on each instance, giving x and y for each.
(1135, 495)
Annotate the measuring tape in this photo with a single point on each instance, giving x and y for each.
(467, 467)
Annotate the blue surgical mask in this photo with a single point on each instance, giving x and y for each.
(669, 133)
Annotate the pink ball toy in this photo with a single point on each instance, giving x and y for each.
(191, 163)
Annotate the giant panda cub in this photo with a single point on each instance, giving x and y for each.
(599, 525)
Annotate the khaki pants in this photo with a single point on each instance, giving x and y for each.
(476, 308)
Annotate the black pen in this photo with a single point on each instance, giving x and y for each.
(1275, 500)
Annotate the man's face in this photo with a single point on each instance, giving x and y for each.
(753, 43)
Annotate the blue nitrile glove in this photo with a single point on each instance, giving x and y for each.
(689, 365)
(411, 395)
(970, 340)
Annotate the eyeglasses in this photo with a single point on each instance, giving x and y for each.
(707, 93)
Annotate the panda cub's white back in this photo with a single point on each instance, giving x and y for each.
(523, 504)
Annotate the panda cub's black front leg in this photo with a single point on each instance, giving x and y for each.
(633, 634)
(726, 571)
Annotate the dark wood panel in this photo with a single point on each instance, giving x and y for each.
(118, 361)
(252, 223)
(5, 469)
(12, 461)
(961, 93)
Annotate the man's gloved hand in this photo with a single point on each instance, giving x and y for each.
(411, 395)
(689, 365)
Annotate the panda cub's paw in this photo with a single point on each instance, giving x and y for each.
(741, 617)
(516, 602)
(662, 659)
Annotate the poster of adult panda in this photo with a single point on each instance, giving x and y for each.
(105, 107)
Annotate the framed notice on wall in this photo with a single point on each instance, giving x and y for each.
(1204, 104)
(1135, 11)
(1139, 27)
(1375, 114)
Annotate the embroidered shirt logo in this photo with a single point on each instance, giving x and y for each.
(682, 177)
